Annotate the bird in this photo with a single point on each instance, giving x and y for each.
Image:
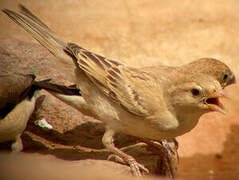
(155, 102)
(17, 102)
(18, 98)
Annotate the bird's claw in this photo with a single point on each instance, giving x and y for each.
(165, 144)
(136, 168)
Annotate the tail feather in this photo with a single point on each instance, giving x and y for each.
(40, 33)
(65, 90)
(45, 36)
(30, 15)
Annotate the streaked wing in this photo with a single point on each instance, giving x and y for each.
(111, 77)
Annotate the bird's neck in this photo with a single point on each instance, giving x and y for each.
(188, 118)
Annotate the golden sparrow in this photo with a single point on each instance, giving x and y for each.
(155, 103)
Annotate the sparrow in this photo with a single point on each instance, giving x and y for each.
(17, 102)
(18, 99)
(156, 103)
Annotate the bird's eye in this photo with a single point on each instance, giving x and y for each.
(225, 76)
(195, 92)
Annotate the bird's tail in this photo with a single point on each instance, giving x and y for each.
(38, 30)
(56, 88)
(43, 34)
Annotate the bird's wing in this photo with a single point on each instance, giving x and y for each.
(116, 80)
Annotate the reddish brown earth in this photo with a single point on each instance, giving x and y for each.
(139, 33)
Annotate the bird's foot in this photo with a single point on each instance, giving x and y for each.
(166, 145)
(169, 155)
(17, 146)
(136, 168)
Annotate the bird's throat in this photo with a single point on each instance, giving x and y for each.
(188, 118)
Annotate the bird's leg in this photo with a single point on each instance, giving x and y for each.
(17, 145)
(109, 144)
(168, 153)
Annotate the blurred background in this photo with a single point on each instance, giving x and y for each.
(151, 32)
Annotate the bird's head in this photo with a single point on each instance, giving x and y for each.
(199, 94)
(211, 67)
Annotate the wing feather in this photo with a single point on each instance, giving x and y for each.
(111, 77)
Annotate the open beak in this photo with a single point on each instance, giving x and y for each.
(214, 104)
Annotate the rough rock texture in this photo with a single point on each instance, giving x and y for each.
(143, 32)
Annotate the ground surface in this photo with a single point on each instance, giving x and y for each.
(146, 32)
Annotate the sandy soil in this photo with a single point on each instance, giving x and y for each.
(146, 32)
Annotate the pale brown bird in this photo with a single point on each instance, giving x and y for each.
(17, 102)
(152, 102)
